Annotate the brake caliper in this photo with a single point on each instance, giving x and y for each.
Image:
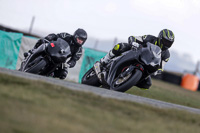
(140, 67)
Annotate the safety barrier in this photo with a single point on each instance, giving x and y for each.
(9, 48)
(190, 82)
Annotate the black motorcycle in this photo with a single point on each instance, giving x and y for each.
(46, 58)
(126, 70)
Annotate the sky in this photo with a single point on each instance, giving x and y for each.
(109, 19)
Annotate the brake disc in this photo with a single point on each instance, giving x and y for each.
(122, 79)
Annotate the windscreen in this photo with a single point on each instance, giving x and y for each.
(151, 55)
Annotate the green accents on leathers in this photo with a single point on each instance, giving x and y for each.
(156, 42)
(144, 37)
(116, 47)
(166, 60)
(134, 39)
(160, 45)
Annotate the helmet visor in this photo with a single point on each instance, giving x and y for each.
(79, 40)
(166, 43)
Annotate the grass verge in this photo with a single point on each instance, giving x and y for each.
(35, 107)
(170, 93)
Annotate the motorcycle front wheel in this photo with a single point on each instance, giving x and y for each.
(122, 84)
(90, 78)
(36, 66)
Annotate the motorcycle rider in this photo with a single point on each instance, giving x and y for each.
(75, 41)
(164, 40)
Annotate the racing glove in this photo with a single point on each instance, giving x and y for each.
(135, 45)
(159, 71)
(63, 73)
(39, 42)
(71, 63)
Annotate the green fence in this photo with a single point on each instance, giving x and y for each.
(89, 58)
(9, 49)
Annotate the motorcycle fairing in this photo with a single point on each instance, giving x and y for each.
(58, 50)
(151, 57)
(125, 57)
(36, 52)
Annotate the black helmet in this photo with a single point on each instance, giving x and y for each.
(165, 39)
(80, 36)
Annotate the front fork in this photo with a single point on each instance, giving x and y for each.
(97, 69)
(100, 75)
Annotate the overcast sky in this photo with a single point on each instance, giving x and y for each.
(107, 19)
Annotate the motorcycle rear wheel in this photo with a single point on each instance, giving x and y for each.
(90, 78)
(129, 81)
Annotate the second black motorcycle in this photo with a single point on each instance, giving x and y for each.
(126, 70)
(46, 58)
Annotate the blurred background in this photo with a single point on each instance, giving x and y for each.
(108, 22)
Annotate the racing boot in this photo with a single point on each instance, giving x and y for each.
(145, 84)
(104, 61)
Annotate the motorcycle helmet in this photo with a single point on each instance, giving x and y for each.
(165, 39)
(80, 36)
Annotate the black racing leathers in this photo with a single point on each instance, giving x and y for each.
(122, 47)
(76, 51)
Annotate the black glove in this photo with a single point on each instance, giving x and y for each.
(39, 42)
(135, 45)
(71, 63)
(63, 73)
(51, 37)
(159, 71)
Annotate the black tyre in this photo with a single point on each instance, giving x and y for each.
(90, 78)
(36, 66)
(127, 82)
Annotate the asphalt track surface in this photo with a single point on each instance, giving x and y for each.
(100, 91)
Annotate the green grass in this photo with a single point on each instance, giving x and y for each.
(170, 93)
(36, 107)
